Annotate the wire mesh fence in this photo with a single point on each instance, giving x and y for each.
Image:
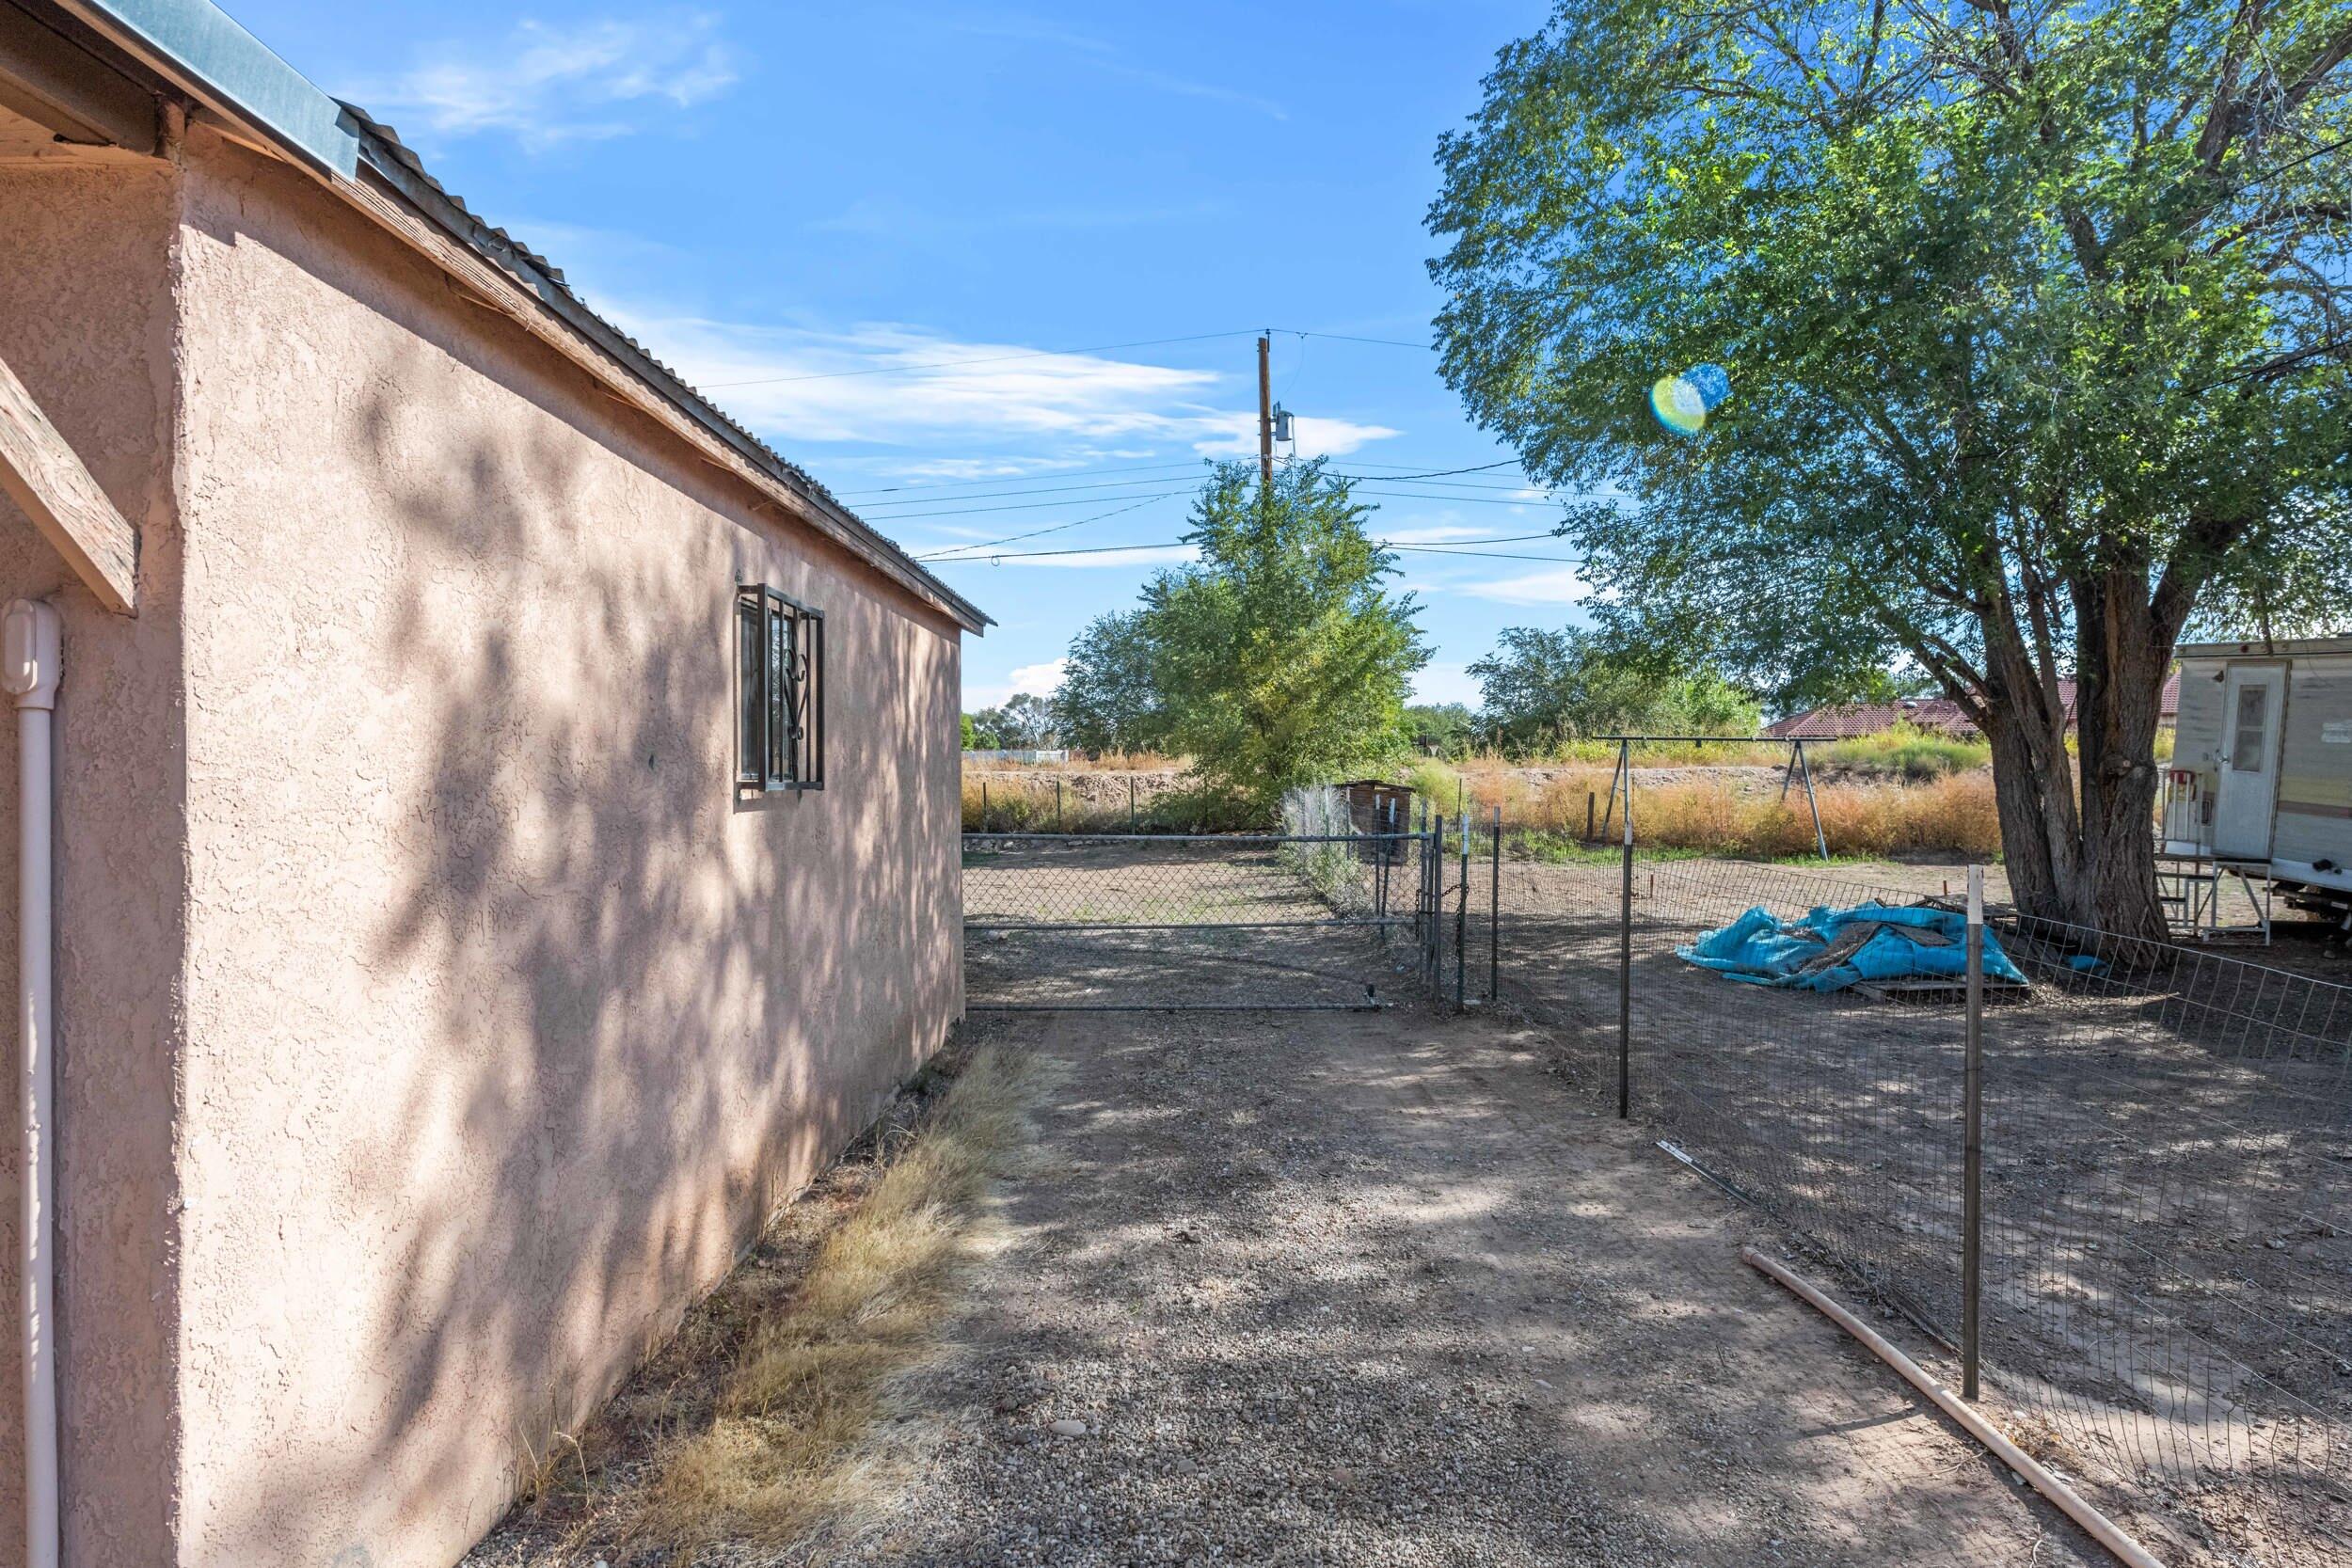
(1150, 921)
(2166, 1291)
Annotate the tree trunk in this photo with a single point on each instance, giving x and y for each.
(2079, 839)
(2122, 657)
(2033, 782)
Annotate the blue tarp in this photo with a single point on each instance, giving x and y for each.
(1831, 949)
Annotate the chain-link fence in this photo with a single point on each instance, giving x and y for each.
(1297, 920)
(2166, 1290)
(1193, 921)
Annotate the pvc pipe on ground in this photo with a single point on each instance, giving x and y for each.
(28, 669)
(2068, 1501)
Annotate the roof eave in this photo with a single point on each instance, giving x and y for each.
(195, 47)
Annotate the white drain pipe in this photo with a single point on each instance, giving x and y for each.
(28, 669)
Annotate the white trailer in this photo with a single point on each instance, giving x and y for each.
(2261, 782)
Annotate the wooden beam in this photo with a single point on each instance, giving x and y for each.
(43, 475)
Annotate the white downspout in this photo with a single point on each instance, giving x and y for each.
(28, 669)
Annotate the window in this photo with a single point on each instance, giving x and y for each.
(780, 691)
(2250, 743)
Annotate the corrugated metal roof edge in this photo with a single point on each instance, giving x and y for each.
(198, 50)
(381, 150)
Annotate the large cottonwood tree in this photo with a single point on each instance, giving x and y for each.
(2037, 318)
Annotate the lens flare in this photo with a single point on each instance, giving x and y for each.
(1713, 386)
(1678, 405)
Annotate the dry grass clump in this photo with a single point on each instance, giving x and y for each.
(807, 1385)
(761, 1423)
(785, 1449)
(1954, 814)
(1086, 762)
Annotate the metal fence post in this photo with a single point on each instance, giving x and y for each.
(1494, 917)
(1972, 1154)
(1433, 881)
(1461, 919)
(1625, 969)
(983, 805)
(1130, 803)
(1058, 828)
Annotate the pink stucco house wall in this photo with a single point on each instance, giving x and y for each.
(436, 1015)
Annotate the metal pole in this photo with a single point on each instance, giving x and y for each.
(1494, 917)
(1624, 977)
(1058, 805)
(1820, 841)
(1433, 875)
(1461, 919)
(1266, 420)
(1130, 803)
(1589, 804)
(983, 805)
(1972, 1155)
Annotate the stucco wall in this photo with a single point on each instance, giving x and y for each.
(86, 321)
(506, 1018)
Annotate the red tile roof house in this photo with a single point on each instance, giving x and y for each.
(1852, 721)
(448, 976)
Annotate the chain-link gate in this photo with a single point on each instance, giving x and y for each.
(1147, 922)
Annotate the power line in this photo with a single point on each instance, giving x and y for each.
(1034, 490)
(1053, 354)
(1488, 555)
(985, 359)
(1018, 506)
(1008, 478)
(1348, 338)
(954, 552)
(988, 557)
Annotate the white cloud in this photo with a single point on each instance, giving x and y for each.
(1038, 680)
(896, 385)
(1237, 437)
(547, 83)
(1564, 586)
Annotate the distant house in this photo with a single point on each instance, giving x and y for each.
(506, 819)
(1852, 721)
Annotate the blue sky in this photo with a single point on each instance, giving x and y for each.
(784, 200)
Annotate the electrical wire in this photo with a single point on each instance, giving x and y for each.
(872, 507)
(1009, 479)
(1021, 506)
(1055, 354)
(954, 552)
(984, 359)
(984, 555)
(1348, 338)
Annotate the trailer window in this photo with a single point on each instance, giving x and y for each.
(2248, 752)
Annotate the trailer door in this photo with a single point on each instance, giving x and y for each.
(2248, 792)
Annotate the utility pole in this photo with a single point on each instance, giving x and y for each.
(1266, 417)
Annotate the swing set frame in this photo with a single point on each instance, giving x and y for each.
(1798, 771)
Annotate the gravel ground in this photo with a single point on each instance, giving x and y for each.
(1379, 1288)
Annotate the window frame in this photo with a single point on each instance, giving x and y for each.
(780, 691)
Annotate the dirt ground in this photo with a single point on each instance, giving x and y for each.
(1378, 1288)
(2169, 1177)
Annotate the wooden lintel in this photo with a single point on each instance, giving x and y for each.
(44, 476)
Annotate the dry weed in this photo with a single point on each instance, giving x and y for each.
(786, 1443)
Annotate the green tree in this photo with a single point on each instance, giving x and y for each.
(971, 734)
(2036, 321)
(1542, 688)
(1023, 723)
(1440, 729)
(1110, 699)
(1288, 657)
